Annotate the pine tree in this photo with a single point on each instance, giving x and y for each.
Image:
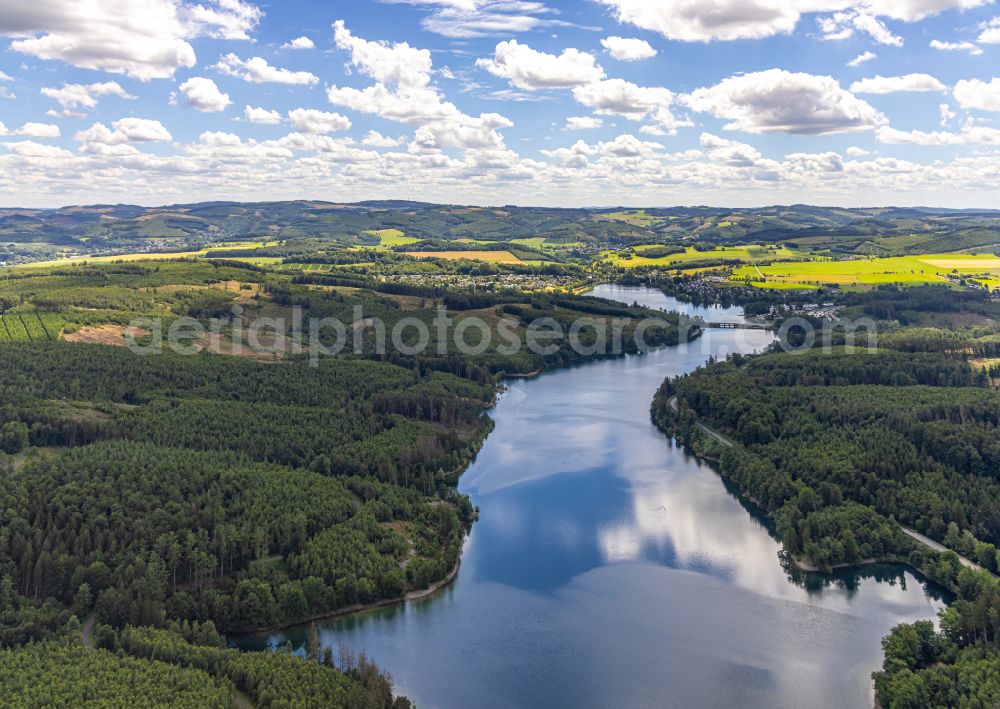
(6, 594)
(83, 600)
(314, 647)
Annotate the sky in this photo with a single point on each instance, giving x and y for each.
(551, 102)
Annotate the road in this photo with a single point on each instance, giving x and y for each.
(714, 434)
(88, 631)
(926, 541)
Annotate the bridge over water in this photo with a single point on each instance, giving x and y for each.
(736, 326)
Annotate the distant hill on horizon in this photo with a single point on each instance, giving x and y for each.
(401, 204)
(108, 229)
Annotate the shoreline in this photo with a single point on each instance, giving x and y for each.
(356, 608)
(801, 564)
(359, 608)
(808, 568)
(798, 564)
(523, 375)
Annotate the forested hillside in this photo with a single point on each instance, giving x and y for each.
(95, 303)
(387, 232)
(169, 487)
(232, 487)
(263, 494)
(909, 435)
(843, 447)
(185, 666)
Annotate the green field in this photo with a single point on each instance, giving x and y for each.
(539, 243)
(745, 254)
(634, 217)
(391, 237)
(929, 268)
(993, 282)
(779, 285)
(535, 242)
(30, 326)
(213, 252)
(255, 260)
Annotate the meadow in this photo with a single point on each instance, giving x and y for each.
(216, 251)
(633, 217)
(692, 256)
(391, 237)
(905, 270)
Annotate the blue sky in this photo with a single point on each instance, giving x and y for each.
(599, 102)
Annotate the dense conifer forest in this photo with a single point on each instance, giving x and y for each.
(844, 448)
(150, 503)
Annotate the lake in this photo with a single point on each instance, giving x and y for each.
(611, 569)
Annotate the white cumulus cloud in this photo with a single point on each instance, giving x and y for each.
(146, 39)
(628, 146)
(974, 93)
(779, 101)
(583, 123)
(377, 140)
(862, 58)
(402, 92)
(386, 63)
(956, 47)
(126, 130)
(626, 49)
(913, 10)
(529, 69)
(262, 116)
(310, 120)
(969, 134)
(729, 152)
(85, 95)
(299, 43)
(842, 25)
(990, 31)
(204, 95)
(700, 21)
(38, 130)
(258, 71)
(485, 18)
(617, 97)
(895, 84)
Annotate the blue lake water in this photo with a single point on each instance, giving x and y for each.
(611, 569)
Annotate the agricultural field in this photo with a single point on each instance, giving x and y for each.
(905, 270)
(632, 217)
(745, 254)
(30, 326)
(490, 256)
(254, 260)
(159, 256)
(115, 294)
(480, 242)
(214, 252)
(993, 282)
(391, 237)
(535, 242)
(15, 329)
